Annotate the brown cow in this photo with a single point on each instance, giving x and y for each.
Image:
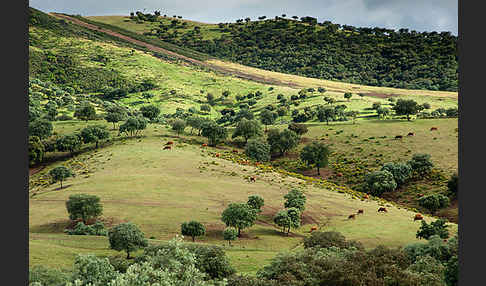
(418, 217)
(217, 155)
(252, 179)
(352, 216)
(398, 137)
(410, 134)
(382, 209)
(433, 129)
(366, 196)
(420, 195)
(204, 145)
(169, 143)
(339, 174)
(313, 228)
(167, 148)
(235, 151)
(360, 211)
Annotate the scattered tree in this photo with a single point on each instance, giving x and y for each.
(315, 154)
(258, 150)
(85, 112)
(36, 150)
(192, 229)
(213, 132)
(300, 129)
(295, 199)
(282, 141)
(421, 164)
(406, 107)
(60, 174)
(69, 143)
(247, 129)
(41, 128)
(178, 126)
(239, 215)
(378, 182)
(84, 206)
(268, 117)
(256, 202)
(230, 234)
(127, 237)
(348, 95)
(94, 133)
(133, 125)
(150, 111)
(115, 114)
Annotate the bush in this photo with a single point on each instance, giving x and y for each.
(452, 186)
(36, 150)
(421, 164)
(258, 150)
(378, 182)
(437, 227)
(329, 239)
(63, 117)
(230, 234)
(47, 276)
(434, 202)
(91, 269)
(300, 129)
(150, 111)
(401, 171)
(81, 229)
(41, 128)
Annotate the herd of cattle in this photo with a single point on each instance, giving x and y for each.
(351, 216)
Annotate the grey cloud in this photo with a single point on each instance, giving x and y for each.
(419, 15)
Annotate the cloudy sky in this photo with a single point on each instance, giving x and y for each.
(419, 15)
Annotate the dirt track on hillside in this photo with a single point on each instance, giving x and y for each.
(153, 48)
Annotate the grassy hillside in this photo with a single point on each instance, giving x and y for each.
(137, 181)
(162, 202)
(378, 57)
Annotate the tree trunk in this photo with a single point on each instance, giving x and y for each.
(96, 144)
(239, 232)
(318, 173)
(128, 254)
(408, 117)
(193, 239)
(61, 184)
(114, 127)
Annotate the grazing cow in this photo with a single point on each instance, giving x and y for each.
(167, 148)
(235, 151)
(398, 137)
(418, 217)
(352, 216)
(382, 209)
(217, 155)
(339, 174)
(252, 179)
(169, 143)
(410, 134)
(433, 129)
(366, 196)
(360, 211)
(420, 195)
(204, 145)
(313, 228)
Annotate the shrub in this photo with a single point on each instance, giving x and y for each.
(258, 150)
(434, 202)
(83, 206)
(401, 171)
(378, 182)
(81, 229)
(329, 239)
(127, 237)
(192, 229)
(452, 185)
(47, 276)
(421, 164)
(437, 227)
(91, 269)
(206, 108)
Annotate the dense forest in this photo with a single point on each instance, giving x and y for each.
(370, 56)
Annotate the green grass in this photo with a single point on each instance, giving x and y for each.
(141, 183)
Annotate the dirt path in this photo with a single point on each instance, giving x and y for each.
(225, 71)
